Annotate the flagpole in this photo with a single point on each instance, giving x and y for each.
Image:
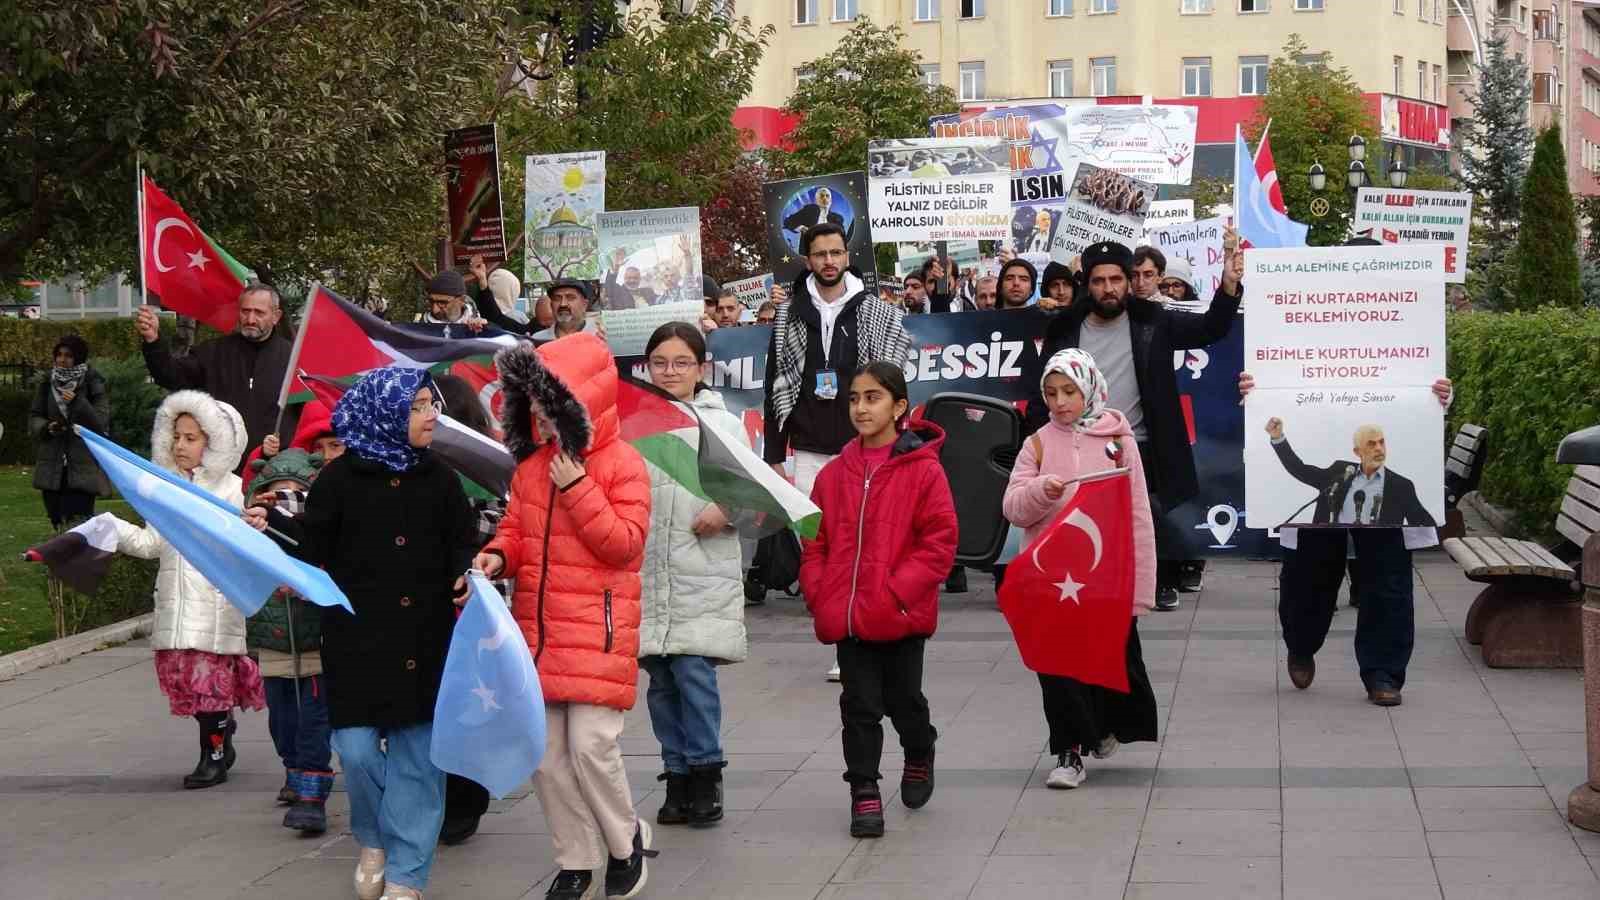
(294, 356)
(1238, 135)
(138, 206)
(1261, 142)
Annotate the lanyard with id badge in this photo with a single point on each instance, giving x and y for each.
(827, 379)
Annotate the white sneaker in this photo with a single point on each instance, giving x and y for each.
(1107, 748)
(1068, 774)
(833, 674)
(369, 874)
(400, 892)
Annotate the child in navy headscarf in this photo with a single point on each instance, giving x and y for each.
(393, 528)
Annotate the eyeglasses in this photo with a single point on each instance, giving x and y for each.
(421, 408)
(829, 254)
(677, 366)
(1171, 285)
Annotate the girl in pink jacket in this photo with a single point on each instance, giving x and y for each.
(1085, 436)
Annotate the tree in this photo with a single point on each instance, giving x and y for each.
(304, 135)
(1497, 143)
(868, 88)
(733, 224)
(1547, 231)
(1314, 109)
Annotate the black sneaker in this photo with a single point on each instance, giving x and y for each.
(1166, 599)
(916, 782)
(627, 877)
(956, 583)
(866, 810)
(571, 884)
(1192, 576)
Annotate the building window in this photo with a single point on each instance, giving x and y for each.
(1544, 87)
(1399, 7)
(805, 12)
(1591, 37)
(1252, 76)
(1103, 76)
(927, 10)
(1059, 8)
(1438, 84)
(1591, 96)
(1311, 59)
(1544, 25)
(1061, 78)
(1438, 12)
(1307, 5)
(1197, 76)
(1399, 65)
(1422, 80)
(1252, 6)
(844, 10)
(1422, 10)
(1197, 7)
(971, 9)
(803, 75)
(930, 75)
(972, 81)
(1102, 6)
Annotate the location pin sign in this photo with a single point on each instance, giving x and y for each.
(1223, 520)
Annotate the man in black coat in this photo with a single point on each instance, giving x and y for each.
(817, 212)
(1355, 493)
(1132, 340)
(244, 369)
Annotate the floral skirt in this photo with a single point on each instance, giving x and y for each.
(196, 681)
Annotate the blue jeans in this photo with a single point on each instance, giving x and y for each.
(396, 797)
(685, 710)
(300, 736)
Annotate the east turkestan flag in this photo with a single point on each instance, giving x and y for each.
(1256, 219)
(80, 556)
(189, 272)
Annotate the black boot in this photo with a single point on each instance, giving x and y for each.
(705, 784)
(675, 809)
(211, 770)
(228, 754)
(956, 583)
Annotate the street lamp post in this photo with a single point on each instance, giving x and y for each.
(1356, 176)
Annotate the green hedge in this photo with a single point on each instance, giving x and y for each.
(1531, 378)
(28, 342)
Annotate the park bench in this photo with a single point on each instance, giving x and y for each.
(1463, 469)
(1527, 615)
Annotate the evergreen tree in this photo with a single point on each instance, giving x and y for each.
(1497, 144)
(1547, 235)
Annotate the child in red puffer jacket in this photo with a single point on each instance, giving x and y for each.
(871, 581)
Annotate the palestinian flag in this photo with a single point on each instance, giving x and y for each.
(483, 463)
(186, 269)
(80, 556)
(338, 339)
(710, 463)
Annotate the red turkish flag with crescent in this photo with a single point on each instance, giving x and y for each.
(1068, 596)
(190, 273)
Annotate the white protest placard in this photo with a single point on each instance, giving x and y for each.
(1167, 212)
(1344, 344)
(1200, 245)
(1101, 206)
(628, 330)
(752, 291)
(937, 189)
(1419, 217)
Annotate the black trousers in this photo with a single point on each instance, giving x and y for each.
(881, 678)
(1170, 550)
(1082, 715)
(465, 800)
(65, 505)
(1308, 591)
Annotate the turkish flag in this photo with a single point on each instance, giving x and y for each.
(1068, 596)
(1267, 171)
(190, 274)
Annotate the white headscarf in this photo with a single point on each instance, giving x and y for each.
(1079, 367)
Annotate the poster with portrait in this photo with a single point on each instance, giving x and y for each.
(796, 205)
(472, 193)
(650, 257)
(939, 189)
(565, 191)
(1101, 206)
(1345, 343)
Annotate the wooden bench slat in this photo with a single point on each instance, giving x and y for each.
(1572, 531)
(1583, 490)
(1552, 560)
(1590, 474)
(1470, 429)
(1465, 457)
(1467, 442)
(1580, 512)
(1536, 559)
(1457, 469)
(1516, 562)
(1492, 564)
(1463, 554)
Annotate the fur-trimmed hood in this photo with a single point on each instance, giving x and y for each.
(574, 379)
(225, 434)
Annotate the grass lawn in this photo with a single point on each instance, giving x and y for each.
(25, 617)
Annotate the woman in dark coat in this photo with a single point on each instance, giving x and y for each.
(391, 525)
(66, 472)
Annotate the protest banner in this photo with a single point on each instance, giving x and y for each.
(1102, 206)
(565, 192)
(1049, 140)
(752, 291)
(1167, 212)
(1344, 344)
(472, 192)
(912, 255)
(933, 189)
(1419, 217)
(650, 257)
(797, 204)
(628, 330)
(1200, 245)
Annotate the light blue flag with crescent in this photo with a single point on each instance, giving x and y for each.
(1257, 222)
(488, 723)
(207, 531)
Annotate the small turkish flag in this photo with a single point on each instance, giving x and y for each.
(1068, 596)
(190, 273)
